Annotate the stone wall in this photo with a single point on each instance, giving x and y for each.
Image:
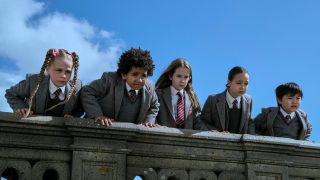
(37, 148)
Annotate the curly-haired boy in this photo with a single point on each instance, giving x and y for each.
(125, 95)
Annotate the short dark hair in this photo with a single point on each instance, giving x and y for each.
(290, 88)
(135, 57)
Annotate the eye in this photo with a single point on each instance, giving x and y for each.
(68, 72)
(135, 74)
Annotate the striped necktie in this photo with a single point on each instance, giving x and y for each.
(57, 93)
(180, 111)
(132, 95)
(235, 104)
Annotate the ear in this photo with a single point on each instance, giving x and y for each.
(279, 101)
(170, 77)
(47, 69)
(228, 83)
(124, 76)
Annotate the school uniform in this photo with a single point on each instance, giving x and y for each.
(218, 114)
(17, 97)
(274, 121)
(167, 115)
(108, 96)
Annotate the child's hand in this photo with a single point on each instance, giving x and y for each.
(151, 125)
(22, 111)
(104, 120)
(68, 116)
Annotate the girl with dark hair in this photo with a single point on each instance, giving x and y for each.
(230, 111)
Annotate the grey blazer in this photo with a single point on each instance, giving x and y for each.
(264, 122)
(18, 94)
(215, 109)
(104, 96)
(166, 117)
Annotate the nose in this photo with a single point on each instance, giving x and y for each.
(64, 75)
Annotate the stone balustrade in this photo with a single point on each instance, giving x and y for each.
(43, 147)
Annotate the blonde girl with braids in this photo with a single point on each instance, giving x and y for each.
(51, 92)
(179, 105)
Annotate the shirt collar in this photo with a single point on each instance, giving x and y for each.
(174, 91)
(53, 88)
(129, 88)
(292, 115)
(230, 99)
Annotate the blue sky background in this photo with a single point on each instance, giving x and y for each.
(277, 41)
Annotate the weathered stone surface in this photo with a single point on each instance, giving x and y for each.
(81, 149)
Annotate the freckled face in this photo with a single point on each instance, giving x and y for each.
(180, 78)
(60, 71)
(239, 84)
(136, 77)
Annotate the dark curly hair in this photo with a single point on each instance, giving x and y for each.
(135, 57)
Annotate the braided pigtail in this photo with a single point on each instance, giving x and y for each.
(75, 59)
(45, 64)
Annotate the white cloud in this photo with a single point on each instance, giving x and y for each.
(26, 34)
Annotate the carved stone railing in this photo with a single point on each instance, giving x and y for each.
(35, 148)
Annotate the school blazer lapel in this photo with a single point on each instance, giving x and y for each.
(245, 109)
(221, 108)
(270, 119)
(168, 101)
(188, 111)
(145, 103)
(304, 126)
(41, 96)
(118, 92)
(68, 105)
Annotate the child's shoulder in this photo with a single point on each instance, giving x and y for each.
(301, 112)
(149, 85)
(269, 109)
(78, 84)
(32, 76)
(217, 95)
(162, 90)
(110, 76)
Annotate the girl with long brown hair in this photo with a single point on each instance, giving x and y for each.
(179, 105)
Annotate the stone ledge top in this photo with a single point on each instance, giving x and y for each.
(87, 126)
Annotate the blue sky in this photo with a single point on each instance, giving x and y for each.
(277, 41)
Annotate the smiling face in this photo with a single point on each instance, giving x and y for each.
(238, 85)
(180, 78)
(60, 71)
(136, 77)
(290, 103)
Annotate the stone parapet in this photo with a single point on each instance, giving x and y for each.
(35, 148)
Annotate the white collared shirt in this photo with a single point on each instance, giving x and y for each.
(53, 88)
(230, 100)
(129, 88)
(174, 99)
(292, 115)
